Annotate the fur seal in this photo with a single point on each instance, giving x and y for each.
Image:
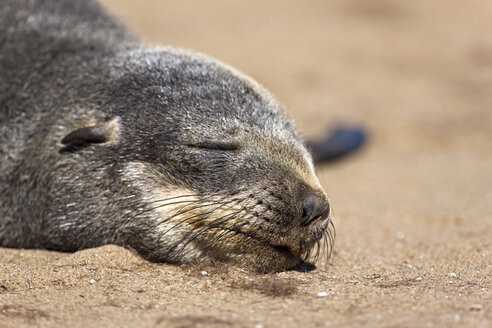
(165, 151)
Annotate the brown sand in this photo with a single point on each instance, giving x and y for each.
(413, 210)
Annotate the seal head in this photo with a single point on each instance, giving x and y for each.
(219, 170)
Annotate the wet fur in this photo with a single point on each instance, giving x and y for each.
(156, 184)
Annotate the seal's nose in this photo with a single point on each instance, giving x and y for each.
(314, 206)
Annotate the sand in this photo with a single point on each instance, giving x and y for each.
(413, 210)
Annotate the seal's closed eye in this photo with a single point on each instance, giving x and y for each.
(216, 145)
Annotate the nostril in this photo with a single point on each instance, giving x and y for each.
(313, 208)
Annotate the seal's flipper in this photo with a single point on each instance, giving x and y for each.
(339, 142)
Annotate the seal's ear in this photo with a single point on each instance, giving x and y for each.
(92, 134)
(89, 134)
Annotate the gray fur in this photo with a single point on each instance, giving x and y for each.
(175, 121)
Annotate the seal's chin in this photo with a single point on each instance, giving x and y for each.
(287, 253)
(292, 259)
(279, 258)
(284, 251)
(261, 256)
(271, 259)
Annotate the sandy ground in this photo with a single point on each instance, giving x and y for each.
(413, 211)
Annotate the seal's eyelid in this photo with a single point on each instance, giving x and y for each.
(216, 145)
(87, 135)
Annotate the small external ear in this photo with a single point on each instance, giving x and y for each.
(92, 134)
(89, 134)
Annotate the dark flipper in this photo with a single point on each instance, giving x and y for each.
(340, 141)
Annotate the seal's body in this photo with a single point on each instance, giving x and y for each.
(168, 152)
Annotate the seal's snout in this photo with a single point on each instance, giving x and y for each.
(314, 206)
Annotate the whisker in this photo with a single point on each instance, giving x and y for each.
(254, 229)
(179, 202)
(213, 224)
(171, 198)
(209, 195)
(231, 229)
(256, 226)
(217, 222)
(186, 220)
(326, 249)
(317, 253)
(331, 234)
(179, 211)
(146, 210)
